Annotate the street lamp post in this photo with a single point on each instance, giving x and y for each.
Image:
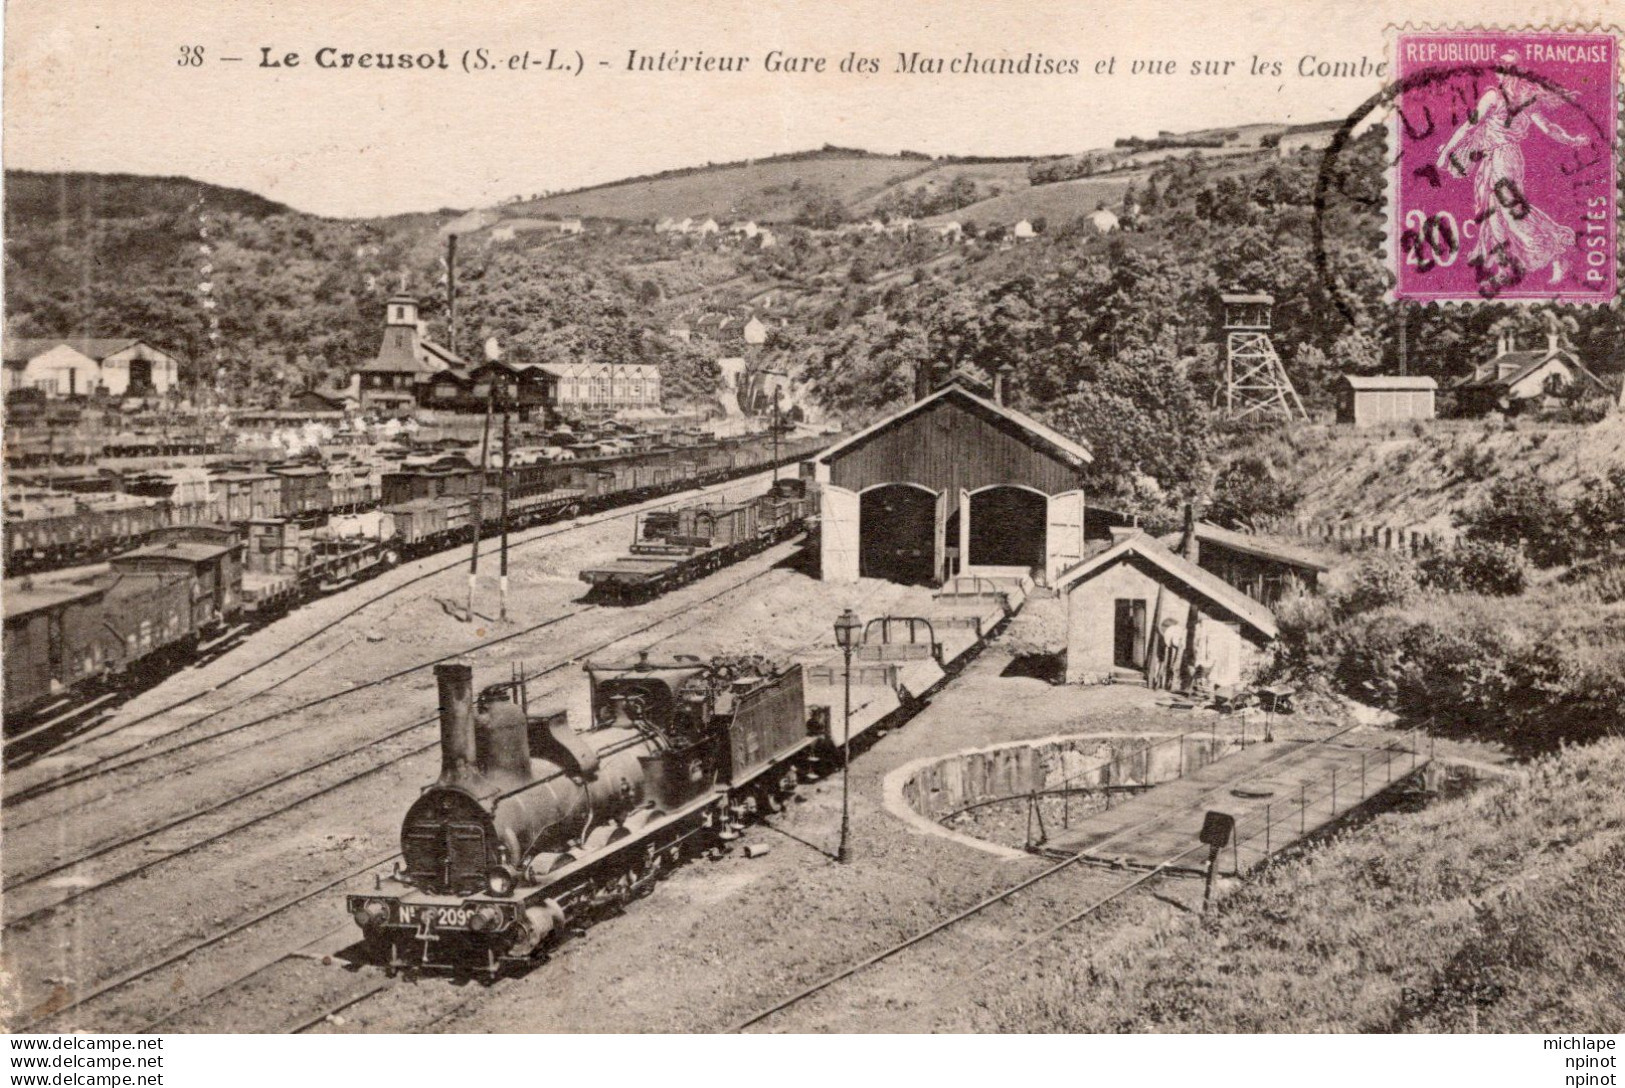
(846, 635)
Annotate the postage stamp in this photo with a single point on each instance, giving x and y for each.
(1503, 185)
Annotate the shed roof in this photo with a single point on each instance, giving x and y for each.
(1389, 382)
(21, 599)
(1212, 587)
(184, 550)
(1247, 543)
(1073, 453)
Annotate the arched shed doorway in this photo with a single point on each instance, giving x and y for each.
(1008, 527)
(897, 534)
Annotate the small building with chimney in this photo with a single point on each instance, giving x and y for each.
(956, 483)
(1138, 607)
(1518, 380)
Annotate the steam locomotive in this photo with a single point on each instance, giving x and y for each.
(533, 829)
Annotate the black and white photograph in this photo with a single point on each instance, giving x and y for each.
(693, 518)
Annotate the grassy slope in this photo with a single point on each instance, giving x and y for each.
(1503, 910)
(1059, 202)
(760, 191)
(1401, 479)
(1005, 176)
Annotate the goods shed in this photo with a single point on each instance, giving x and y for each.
(956, 483)
(1138, 606)
(1264, 569)
(1366, 399)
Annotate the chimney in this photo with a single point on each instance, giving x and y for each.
(922, 380)
(998, 382)
(1187, 542)
(458, 760)
(1551, 343)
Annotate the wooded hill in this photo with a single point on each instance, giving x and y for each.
(1115, 339)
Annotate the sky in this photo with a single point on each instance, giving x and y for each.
(103, 85)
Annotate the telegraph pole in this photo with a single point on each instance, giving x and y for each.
(478, 520)
(507, 460)
(775, 433)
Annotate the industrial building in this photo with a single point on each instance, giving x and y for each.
(956, 483)
(1124, 602)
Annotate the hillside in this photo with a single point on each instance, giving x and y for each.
(1498, 911)
(772, 190)
(1115, 339)
(85, 198)
(1420, 477)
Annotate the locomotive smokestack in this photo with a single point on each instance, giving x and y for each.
(457, 752)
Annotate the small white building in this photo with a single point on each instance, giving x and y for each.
(1128, 605)
(754, 332)
(1105, 220)
(708, 226)
(78, 366)
(1023, 229)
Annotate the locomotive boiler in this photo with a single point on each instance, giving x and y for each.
(533, 828)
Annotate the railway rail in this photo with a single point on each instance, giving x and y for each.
(259, 917)
(324, 1002)
(1170, 864)
(435, 521)
(77, 775)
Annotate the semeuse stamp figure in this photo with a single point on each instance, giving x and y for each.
(1505, 182)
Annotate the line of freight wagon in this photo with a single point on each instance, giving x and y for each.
(49, 529)
(155, 604)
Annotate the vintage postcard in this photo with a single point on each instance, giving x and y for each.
(888, 518)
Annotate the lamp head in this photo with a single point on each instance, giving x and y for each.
(847, 628)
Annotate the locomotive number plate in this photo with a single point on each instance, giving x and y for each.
(437, 917)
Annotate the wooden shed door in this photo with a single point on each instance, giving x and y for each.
(939, 559)
(1064, 546)
(838, 534)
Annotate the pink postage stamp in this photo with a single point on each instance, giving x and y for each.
(1504, 182)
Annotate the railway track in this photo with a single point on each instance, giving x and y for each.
(80, 774)
(328, 999)
(139, 973)
(975, 946)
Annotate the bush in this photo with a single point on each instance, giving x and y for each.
(1534, 672)
(1477, 566)
(1599, 514)
(1380, 581)
(1248, 493)
(1522, 511)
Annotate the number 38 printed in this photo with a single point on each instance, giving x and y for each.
(1430, 241)
(191, 57)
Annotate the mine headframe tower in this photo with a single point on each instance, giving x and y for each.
(1255, 380)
